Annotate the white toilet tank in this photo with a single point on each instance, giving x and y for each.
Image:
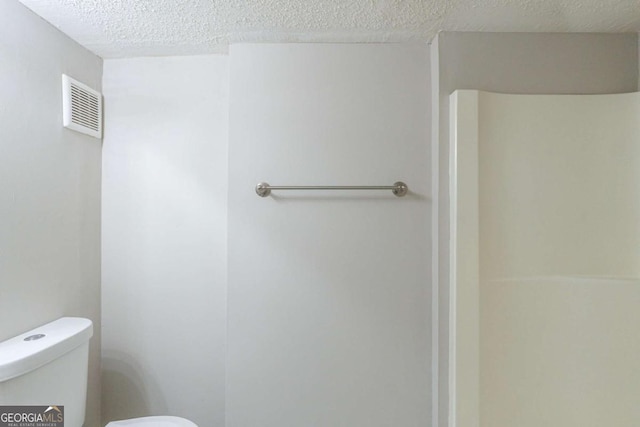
(47, 366)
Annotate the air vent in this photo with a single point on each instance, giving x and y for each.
(81, 107)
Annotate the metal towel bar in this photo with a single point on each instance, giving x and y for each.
(399, 188)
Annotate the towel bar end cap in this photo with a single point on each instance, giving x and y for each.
(400, 189)
(262, 189)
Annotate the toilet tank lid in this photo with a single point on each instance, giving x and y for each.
(39, 346)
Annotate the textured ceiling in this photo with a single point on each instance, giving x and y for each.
(124, 28)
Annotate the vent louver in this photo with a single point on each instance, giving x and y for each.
(82, 107)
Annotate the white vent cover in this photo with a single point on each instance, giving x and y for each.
(81, 107)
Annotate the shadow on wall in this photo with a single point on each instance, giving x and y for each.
(124, 394)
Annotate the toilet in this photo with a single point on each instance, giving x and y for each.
(47, 366)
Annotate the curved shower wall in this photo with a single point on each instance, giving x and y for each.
(545, 237)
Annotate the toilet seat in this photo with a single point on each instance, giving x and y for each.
(162, 421)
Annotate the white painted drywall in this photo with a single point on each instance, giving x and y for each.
(512, 63)
(49, 186)
(164, 237)
(329, 319)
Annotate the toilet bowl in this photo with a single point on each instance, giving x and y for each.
(48, 366)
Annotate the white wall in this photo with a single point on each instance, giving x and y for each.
(49, 186)
(329, 316)
(546, 208)
(511, 63)
(164, 238)
(562, 173)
